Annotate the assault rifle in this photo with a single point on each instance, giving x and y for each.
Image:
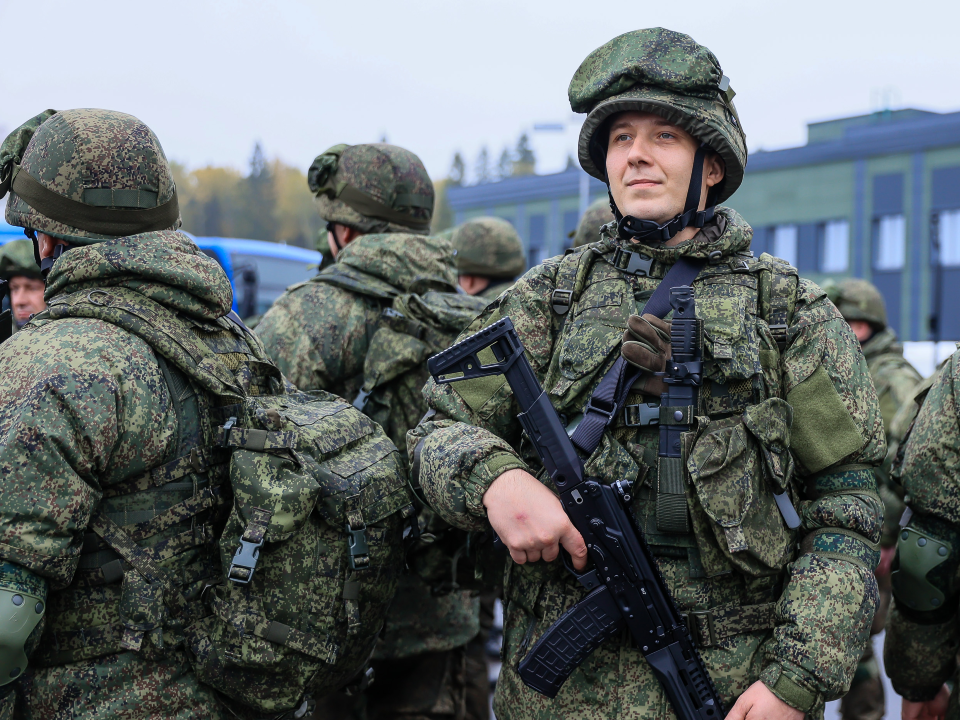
(625, 587)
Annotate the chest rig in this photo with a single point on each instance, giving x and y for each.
(745, 304)
(151, 545)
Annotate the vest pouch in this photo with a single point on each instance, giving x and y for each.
(732, 349)
(728, 468)
(310, 554)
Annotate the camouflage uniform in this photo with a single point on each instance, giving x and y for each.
(794, 619)
(923, 627)
(596, 216)
(84, 407)
(319, 334)
(491, 248)
(895, 381)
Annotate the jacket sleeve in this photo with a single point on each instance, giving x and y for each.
(920, 651)
(471, 435)
(318, 335)
(83, 405)
(825, 611)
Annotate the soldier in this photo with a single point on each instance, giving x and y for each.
(86, 411)
(489, 256)
(780, 628)
(923, 632)
(596, 216)
(895, 380)
(378, 201)
(24, 282)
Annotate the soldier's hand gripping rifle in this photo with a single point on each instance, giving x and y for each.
(626, 588)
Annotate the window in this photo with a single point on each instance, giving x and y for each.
(891, 231)
(835, 247)
(948, 235)
(536, 248)
(785, 243)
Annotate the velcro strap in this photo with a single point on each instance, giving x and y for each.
(710, 627)
(259, 440)
(842, 544)
(672, 515)
(115, 197)
(257, 526)
(677, 415)
(788, 690)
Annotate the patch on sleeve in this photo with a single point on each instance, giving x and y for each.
(823, 431)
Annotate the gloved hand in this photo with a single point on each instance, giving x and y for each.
(646, 344)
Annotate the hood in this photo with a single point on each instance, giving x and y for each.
(407, 262)
(165, 266)
(884, 342)
(727, 232)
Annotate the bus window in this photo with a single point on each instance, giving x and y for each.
(259, 280)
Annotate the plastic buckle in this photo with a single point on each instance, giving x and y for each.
(637, 263)
(641, 415)
(694, 621)
(357, 541)
(561, 301)
(360, 401)
(608, 414)
(225, 430)
(779, 333)
(245, 558)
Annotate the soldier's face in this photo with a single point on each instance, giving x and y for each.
(26, 298)
(649, 164)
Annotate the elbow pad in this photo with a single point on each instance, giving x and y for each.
(23, 601)
(924, 576)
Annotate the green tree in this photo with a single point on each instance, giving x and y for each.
(255, 218)
(524, 162)
(458, 170)
(505, 166)
(482, 167)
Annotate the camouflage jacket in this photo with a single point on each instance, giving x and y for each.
(739, 555)
(920, 653)
(84, 407)
(493, 292)
(319, 335)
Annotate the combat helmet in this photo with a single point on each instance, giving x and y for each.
(17, 260)
(858, 299)
(488, 246)
(596, 216)
(376, 188)
(87, 176)
(667, 73)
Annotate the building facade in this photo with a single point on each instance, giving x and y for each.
(874, 196)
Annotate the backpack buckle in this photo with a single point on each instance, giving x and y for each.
(244, 562)
(360, 401)
(779, 333)
(357, 541)
(225, 432)
(636, 262)
(561, 300)
(641, 415)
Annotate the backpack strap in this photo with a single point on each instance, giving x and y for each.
(778, 297)
(571, 279)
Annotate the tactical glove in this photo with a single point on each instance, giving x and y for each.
(646, 344)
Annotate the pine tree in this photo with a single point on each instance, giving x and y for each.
(256, 216)
(524, 161)
(482, 167)
(458, 170)
(505, 166)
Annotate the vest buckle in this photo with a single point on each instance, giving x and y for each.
(634, 263)
(561, 300)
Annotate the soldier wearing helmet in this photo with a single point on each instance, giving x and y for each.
(780, 610)
(895, 381)
(86, 413)
(596, 216)
(377, 200)
(489, 256)
(24, 281)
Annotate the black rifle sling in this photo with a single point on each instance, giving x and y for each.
(611, 394)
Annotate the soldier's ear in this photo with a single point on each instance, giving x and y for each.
(714, 169)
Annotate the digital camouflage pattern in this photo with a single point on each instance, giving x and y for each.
(17, 260)
(76, 151)
(490, 247)
(920, 651)
(393, 178)
(320, 334)
(596, 216)
(663, 72)
(740, 553)
(858, 299)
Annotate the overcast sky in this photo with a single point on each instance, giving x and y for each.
(437, 76)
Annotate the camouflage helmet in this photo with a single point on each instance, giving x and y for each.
(488, 246)
(375, 188)
(17, 260)
(86, 176)
(596, 216)
(666, 73)
(858, 299)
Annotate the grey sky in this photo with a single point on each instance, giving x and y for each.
(442, 75)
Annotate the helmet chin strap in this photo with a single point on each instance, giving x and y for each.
(633, 228)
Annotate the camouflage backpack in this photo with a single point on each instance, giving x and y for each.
(311, 550)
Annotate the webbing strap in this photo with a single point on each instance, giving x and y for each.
(611, 393)
(710, 627)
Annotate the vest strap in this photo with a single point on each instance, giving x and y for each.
(709, 628)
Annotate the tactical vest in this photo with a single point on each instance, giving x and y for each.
(737, 456)
(268, 545)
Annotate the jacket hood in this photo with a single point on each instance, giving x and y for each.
(407, 262)
(727, 232)
(884, 342)
(165, 266)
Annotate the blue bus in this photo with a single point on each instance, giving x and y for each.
(259, 271)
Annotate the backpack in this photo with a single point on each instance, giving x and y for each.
(311, 549)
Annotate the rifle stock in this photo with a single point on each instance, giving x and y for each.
(625, 587)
